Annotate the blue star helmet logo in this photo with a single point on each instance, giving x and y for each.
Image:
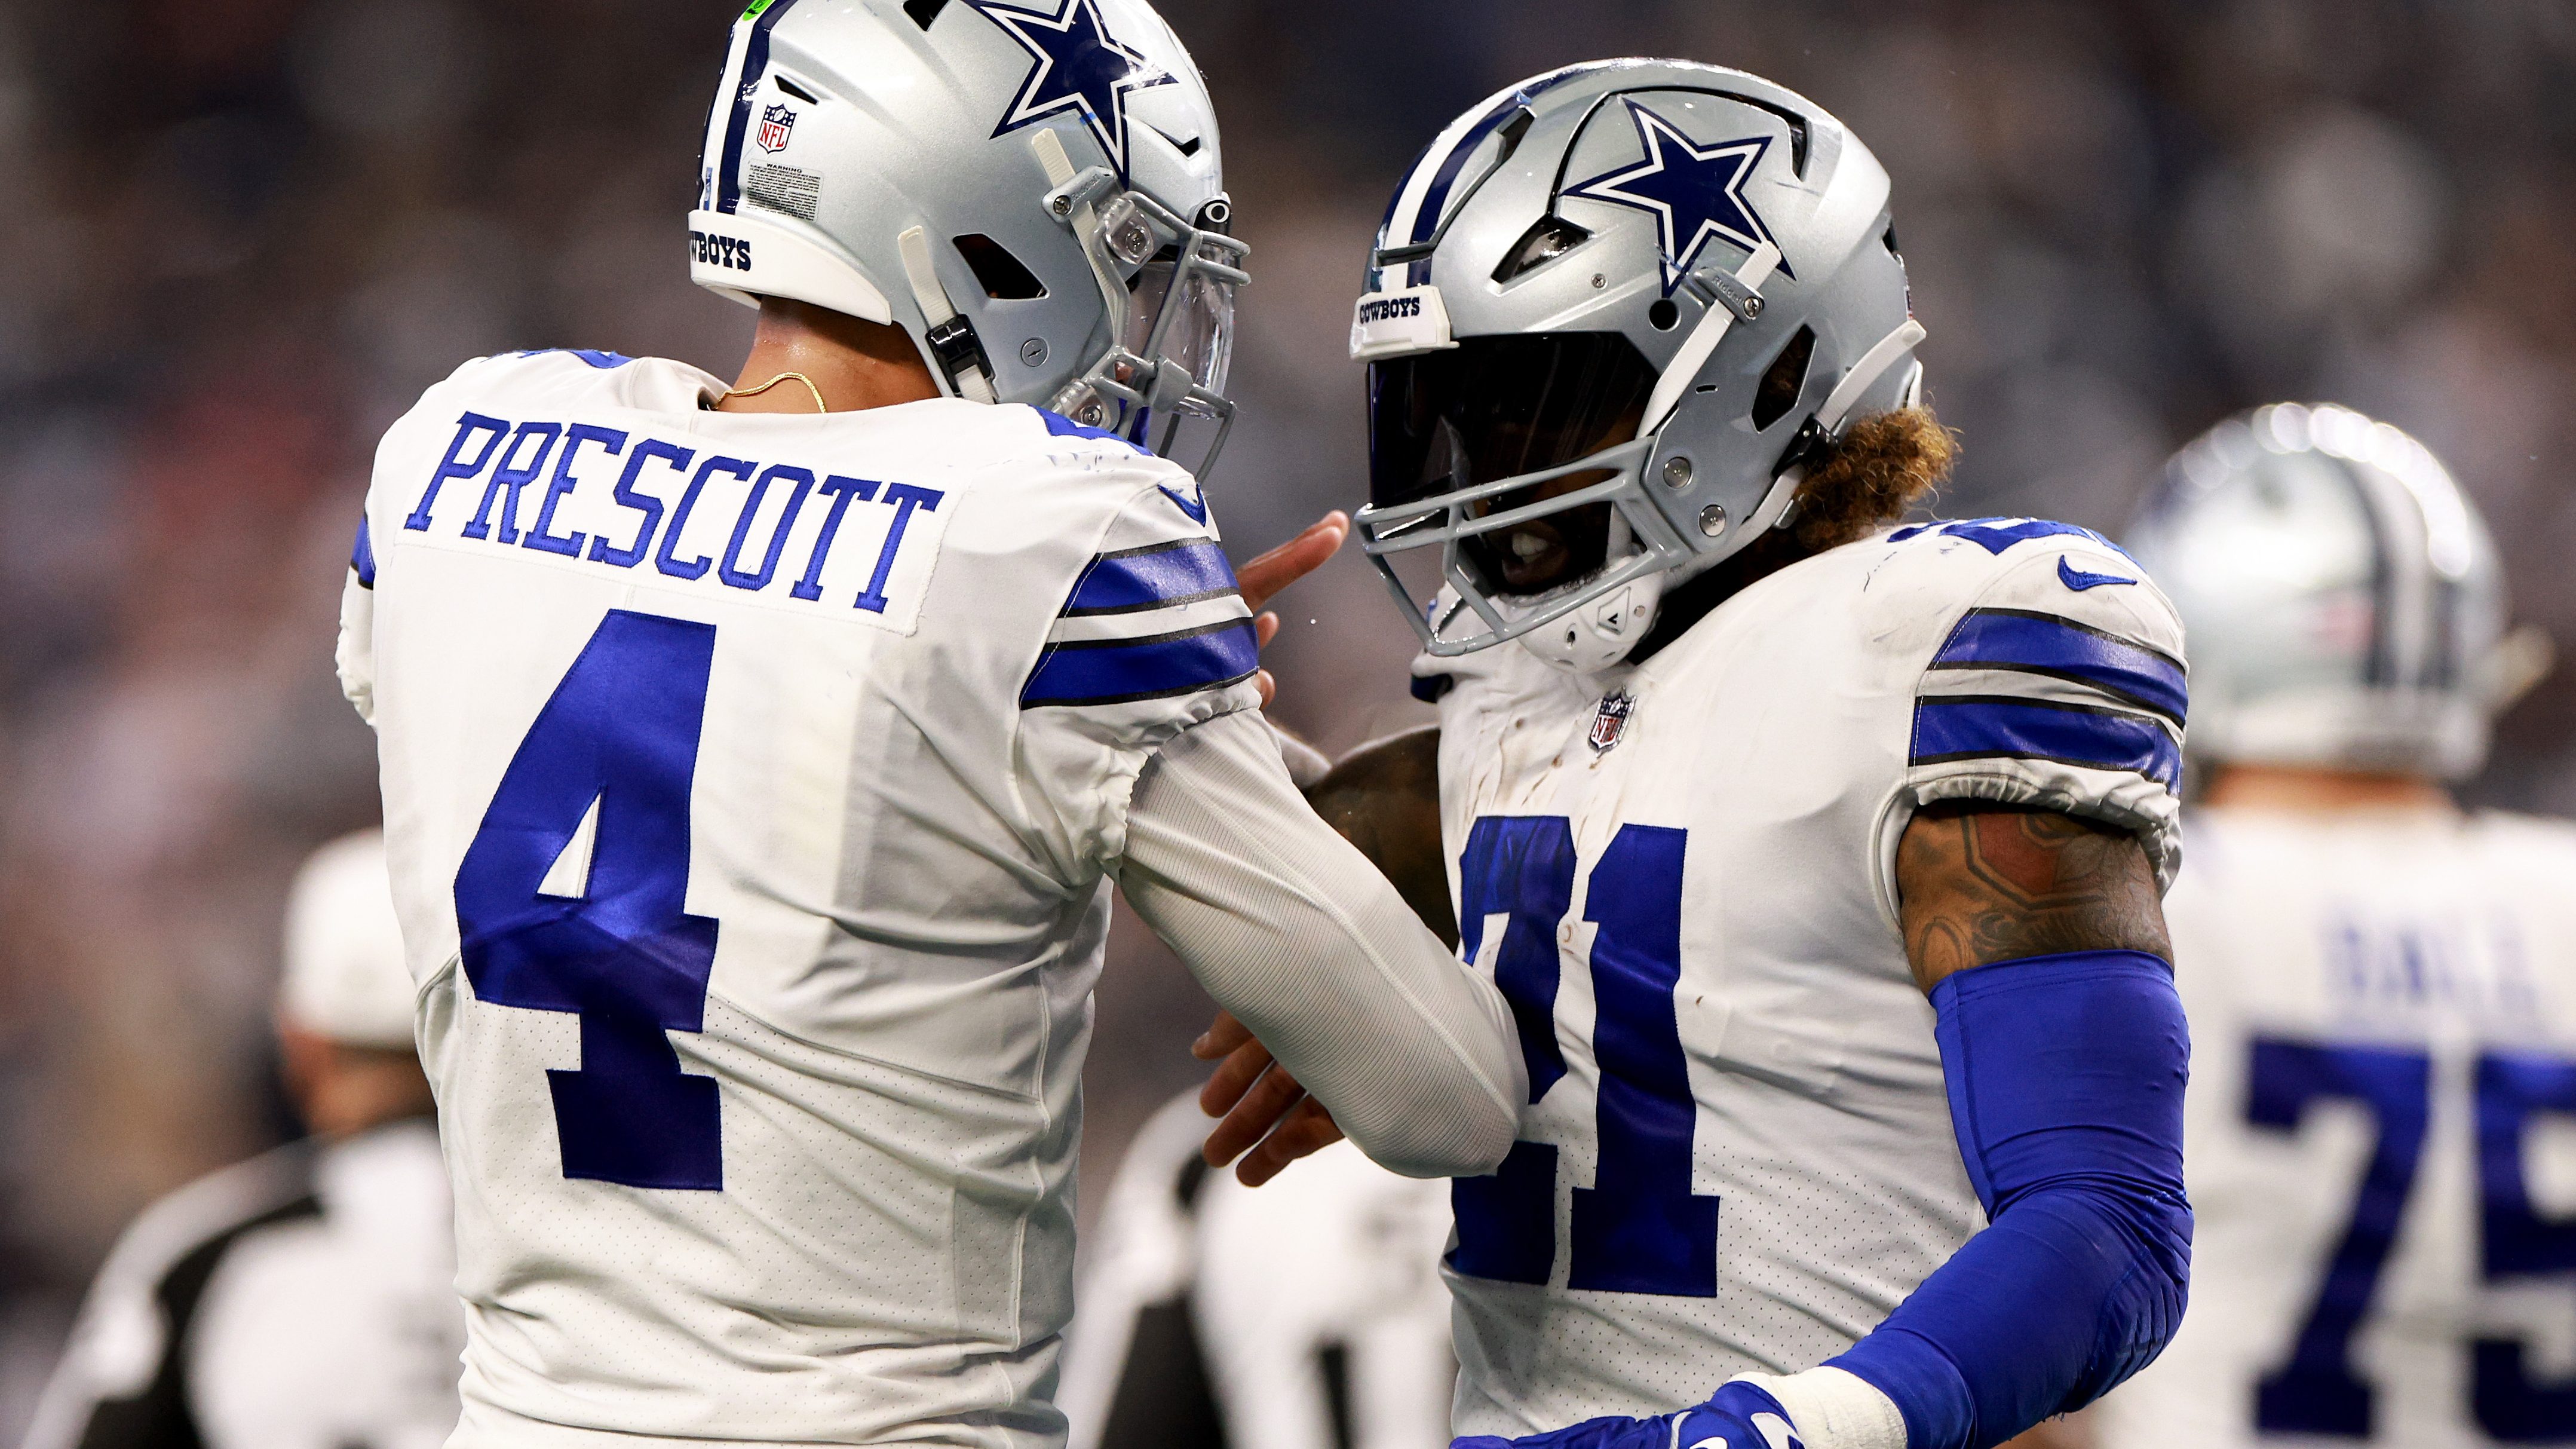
(1081, 68)
(1694, 192)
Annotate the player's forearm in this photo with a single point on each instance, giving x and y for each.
(1289, 928)
(2066, 1077)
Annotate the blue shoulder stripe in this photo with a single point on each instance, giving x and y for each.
(1972, 727)
(1118, 671)
(1154, 577)
(2036, 643)
(362, 556)
(1994, 535)
(604, 361)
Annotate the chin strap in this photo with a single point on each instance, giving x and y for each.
(951, 338)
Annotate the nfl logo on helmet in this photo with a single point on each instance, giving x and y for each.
(775, 123)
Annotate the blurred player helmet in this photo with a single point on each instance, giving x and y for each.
(345, 974)
(2343, 600)
(1672, 285)
(1031, 188)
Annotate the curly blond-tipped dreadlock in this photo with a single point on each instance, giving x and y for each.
(1884, 465)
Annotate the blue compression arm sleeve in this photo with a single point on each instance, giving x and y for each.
(2066, 1082)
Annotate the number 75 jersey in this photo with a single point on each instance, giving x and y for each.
(1737, 1153)
(751, 784)
(2381, 1136)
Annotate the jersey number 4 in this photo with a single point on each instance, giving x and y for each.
(1639, 1228)
(615, 750)
(2317, 1392)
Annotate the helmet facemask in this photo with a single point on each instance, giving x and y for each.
(1519, 456)
(1168, 285)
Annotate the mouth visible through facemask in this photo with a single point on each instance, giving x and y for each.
(1548, 553)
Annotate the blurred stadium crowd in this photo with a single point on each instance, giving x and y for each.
(245, 233)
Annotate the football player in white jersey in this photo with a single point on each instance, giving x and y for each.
(757, 761)
(1729, 777)
(2382, 986)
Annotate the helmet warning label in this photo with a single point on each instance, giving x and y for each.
(782, 188)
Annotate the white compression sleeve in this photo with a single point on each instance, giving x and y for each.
(356, 655)
(1292, 930)
(1834, 1409)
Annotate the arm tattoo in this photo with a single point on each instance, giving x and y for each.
(1983, 884)
(1385, 798)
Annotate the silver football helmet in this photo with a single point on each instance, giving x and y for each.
(2343, 600)
(1032, 190)
(1617, 311)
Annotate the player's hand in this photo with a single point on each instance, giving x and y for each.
(1263, 1107)
(1262, 579)
(1737, 1416)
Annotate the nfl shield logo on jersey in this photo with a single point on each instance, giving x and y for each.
(775, 123)
(1611, 720)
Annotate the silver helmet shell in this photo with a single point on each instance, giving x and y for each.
(1033, 191)
(1708, 219)
(2343, 599)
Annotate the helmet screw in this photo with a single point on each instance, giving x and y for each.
(1062, 206)
(1677, 472)
(1091, 415)
(1033, 351)
(1600, 280)
(1712, 520)
(1752, 308)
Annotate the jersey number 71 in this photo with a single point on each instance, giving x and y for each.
(1639, 1228)
(618, 738)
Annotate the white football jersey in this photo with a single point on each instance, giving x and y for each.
(750, 784)
(2381, 1135)
(1738, 1154)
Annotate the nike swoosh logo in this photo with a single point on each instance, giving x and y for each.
(2067, 574)
(1197, 510)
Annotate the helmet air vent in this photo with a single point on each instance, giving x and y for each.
(1786, 378)
(924, 11)
(1004, 277)
(793, 89)
(1796, 123)
(1547, 239)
